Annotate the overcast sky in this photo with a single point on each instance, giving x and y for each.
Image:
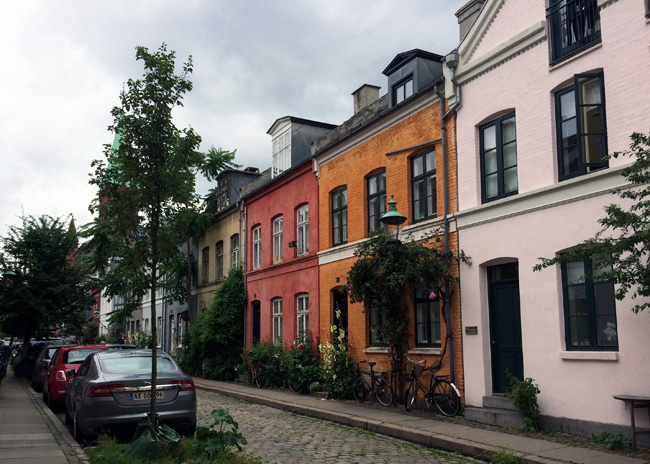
(65, 61)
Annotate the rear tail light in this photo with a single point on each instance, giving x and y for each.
(60, 376)
(102, 390)
(185, 384)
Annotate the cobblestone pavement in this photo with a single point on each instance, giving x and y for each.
(281, 437)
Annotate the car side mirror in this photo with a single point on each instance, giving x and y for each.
(71, 373)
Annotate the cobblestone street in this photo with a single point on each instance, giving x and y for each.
(281, 437)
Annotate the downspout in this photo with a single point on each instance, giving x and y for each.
(242, 257)
(445, 180)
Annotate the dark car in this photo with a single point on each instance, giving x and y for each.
(65, 358)
(25, 366)
(40, 366)
(111, 392)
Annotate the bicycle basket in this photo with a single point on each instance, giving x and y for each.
(417, 369)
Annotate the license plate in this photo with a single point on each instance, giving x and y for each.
(145, 395)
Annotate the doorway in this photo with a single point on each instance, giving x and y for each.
(505, 325)
(340, 299)
(256, 321)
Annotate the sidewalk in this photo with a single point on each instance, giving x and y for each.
(441, 434)
(29, 431)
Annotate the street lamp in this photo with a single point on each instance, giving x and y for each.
(392, 221)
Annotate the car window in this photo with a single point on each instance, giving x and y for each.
(85, 366)
(76, 356)
(136, 365)
(49, 353)
(55, 357)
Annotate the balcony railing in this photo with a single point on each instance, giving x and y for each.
(573, 25)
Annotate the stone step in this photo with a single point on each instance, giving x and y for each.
(498, 402)
(495, 416)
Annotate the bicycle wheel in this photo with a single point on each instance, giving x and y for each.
(410, 395)
(383, 391)
(248, 376)
(258, 376)
(446, 399)
(358, 388)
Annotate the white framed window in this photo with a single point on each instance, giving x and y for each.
(219, 248)
(159, 331)
(234, 251)
(302, 312)
(281, 153)
(180, 332)
(277, 240)
(257, 247)
(277, 321)
(302, 229)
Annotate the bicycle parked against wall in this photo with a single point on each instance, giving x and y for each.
(280, 374)
(252, 374)
(441, 390)
(368, 383)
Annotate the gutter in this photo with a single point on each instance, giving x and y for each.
(445, 176)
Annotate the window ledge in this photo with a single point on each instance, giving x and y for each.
(424, 351)
(575, 55)
(376, 349)
(589, 355)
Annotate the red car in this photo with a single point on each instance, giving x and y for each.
(65, 358)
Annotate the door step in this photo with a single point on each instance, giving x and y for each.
(497, 410)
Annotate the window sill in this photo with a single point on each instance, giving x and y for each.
(376, 350)
(575, 55)
(589, 355)
(425, 351)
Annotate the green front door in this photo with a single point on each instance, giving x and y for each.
(505, 325)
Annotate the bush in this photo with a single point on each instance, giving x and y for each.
(611, 441)
(263, 354)
(523, 394)
(502, 456)
(142, 339)
(304, 366)
(337, 364)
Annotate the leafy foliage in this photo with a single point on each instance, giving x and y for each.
(337, 364)
(220, 438)
(263, 354)
(49, 292)
(304, 366)
(622, 246)
(612, 441)
(523, 394)
(385, 274)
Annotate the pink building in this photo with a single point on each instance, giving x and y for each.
(281, 223)
(547, 89)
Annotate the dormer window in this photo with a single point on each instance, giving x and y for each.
(223, 193)
(281, 153)
(403, 90)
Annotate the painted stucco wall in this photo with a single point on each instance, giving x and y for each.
(548, 216)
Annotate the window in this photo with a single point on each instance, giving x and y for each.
(589, 307)
(340, 217)
(234, 251)
(581, 126)
(302, 229)
(378, 322)
(223, 193)
(219, 253)
(376, 199)
(573, 25)
(302, 311)
(206, 265)
(277, 321)
(403, 90)
(647, 8)
(277, 240)
(257, 247)
(281, 153)
(159, 330)
(423, 183)
(499, 158)
(179, 331)
(427, 319)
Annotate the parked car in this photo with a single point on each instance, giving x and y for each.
(65, 358)
(120, 346)
(111, 392)
(25, 366)
(40, 366)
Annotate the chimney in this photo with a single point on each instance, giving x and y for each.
(251, 169)
(364, 96)
(467, 15)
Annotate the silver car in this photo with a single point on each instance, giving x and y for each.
(111, 392)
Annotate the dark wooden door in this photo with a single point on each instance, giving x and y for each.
(256, 321)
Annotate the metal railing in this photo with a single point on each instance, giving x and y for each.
(573, 25)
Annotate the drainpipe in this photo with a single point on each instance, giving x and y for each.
(451, 64)
(242, 257)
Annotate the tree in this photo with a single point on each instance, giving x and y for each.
(50, 294)
(146, 192)
(622, 246)
(385, 276)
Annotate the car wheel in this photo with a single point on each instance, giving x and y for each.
(38, 387)
(76, 430)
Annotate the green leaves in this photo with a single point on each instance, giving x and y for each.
(219, 438)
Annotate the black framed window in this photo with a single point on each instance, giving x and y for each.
(589, 307)
(581, 126)
(427, 319)
(376, 199)
(499, 158)
(378, 321)
(219, 256)
(423, 185)
(573, 25)
(402, 90)
(340, 217)
(647, 8)
(205, 262)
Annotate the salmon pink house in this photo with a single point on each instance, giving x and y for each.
(281, 222)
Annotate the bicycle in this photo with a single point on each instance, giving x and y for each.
(252, 374)
(366, 384)
(441, 390)
(280, 376)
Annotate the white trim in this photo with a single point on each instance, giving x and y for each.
(589, 355)
(425, 351)
(376, 350)
(605, 3)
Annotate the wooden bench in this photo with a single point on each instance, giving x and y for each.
(635, 402)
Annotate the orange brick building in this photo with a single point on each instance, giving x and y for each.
(393, 145)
